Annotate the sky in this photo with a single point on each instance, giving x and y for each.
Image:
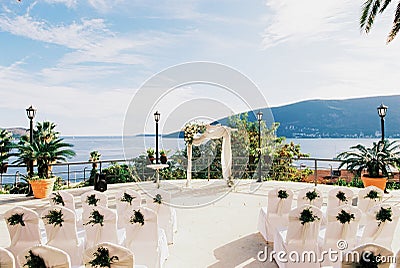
(81, 62)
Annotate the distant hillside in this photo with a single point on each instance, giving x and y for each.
(350, 118)
(17, 131)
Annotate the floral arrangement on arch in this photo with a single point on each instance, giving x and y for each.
(191, 129)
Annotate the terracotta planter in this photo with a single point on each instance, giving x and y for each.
(42, 188)
(378, 182)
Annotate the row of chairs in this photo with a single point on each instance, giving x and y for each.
(55, 257)
(149, 241)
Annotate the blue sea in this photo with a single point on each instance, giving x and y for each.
(112, 148)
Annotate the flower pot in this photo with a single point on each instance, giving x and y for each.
(378, 182)
(151, 160)
(42, 188)
(163, 159)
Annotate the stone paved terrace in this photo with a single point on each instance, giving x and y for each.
(217, 225)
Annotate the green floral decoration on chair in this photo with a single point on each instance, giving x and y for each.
(345, 217)
(282, 194)
(34, 261)
(95, 218)
(15, 219)
(102, 258)
(91, 200)
(372, 195)
(57, 199)
(311, 195)
(307, 216)
(54, 217)
(137, 217)
(341, 196)
(157, 199)
(127, 198)
(384, 214)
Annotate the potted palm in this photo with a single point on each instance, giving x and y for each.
(150, 154)
(46, 149)
(163, 156)
(6, 145)
(376, 160)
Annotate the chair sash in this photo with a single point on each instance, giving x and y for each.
(53, 257)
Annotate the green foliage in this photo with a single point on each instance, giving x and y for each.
(150, 152)
(102, 258)
(307, 216)
(57, 199)
(118, 173)
(95, 218)
(311, 195)
(375, 159)
(282, 194)
(91, 200)
(6, 145)
(34, 261)
(392, 185)
(47, 148)
(157, 199)
(137, 217)
(341, 196)
(345, 217)
(384, 214)
(372, 195)
(16, 218)
(369, 260)
(94, 156)
(54, 217)
(127, 198)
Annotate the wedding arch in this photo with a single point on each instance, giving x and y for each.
(211, 132)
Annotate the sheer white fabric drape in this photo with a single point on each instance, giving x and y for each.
(23, 236)
(334, 202)
(275, 214)
(53, 257)
(214, 132)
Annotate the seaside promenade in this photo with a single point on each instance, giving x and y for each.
(217, 226)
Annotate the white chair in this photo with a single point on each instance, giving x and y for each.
(365, 204)
(275, 214)
(298, 238)
(336, 231)
(398, 259)
(97, 233)
(23, 236)
(335, 194)
(67, 198)
(53, 257)
(123, 206)
(148, 242)
(103, 200)
(303, 200)
(166, 214)
(380, 233)
(64, 237)
(356, 256)
(126, 258)
(7, 259)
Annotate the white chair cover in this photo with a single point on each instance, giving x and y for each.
(26, 236)
(99, 195)
(383, 233)
(166, 214)
(298, 238)
(53, 257)
(125, 256)
(336, 231)
(276, 214)
(96, 233)
(68, 199)
(123, 207)
(398, 259)
(349, 262)
(7, 259)
(147, 242)
(302, 200)
(64, 237)
(334, 202)
(365, 204)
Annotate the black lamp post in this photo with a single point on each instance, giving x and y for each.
(157, 118)
(259, 118)
(382, 109)
(31, 112)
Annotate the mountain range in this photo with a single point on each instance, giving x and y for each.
(348, 118)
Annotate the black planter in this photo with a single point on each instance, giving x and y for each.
(163, 159)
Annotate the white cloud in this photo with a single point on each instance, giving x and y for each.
(67, 3)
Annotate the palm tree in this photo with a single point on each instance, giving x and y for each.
(6, 145)
(369, 11)
(46, 149)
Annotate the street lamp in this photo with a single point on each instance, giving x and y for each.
(157, 118)
(382, 109)
(31, 112)
(259, 118)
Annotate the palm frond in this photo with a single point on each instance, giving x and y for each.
(365, 13)
(384, 6)
(396, 25)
